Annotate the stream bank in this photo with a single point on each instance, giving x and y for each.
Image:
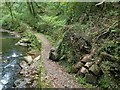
(18, 65)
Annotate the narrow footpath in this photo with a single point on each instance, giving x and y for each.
(52, 71)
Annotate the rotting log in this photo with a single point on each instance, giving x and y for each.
(107, 56)
(88, 57)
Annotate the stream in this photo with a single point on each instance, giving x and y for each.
(10, 57)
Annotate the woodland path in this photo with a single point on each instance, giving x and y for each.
(52, 71)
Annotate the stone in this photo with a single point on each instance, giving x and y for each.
(86, 58)
(28, 59)
(53, 55)
(89, 64)
(23, 42)
(37, 58)
(77, 67)
(95, 69)
(90, 78)
(34, 53)
(35, 83)
(23, 64)
(17, 82)
(82, 71)
(23, 83)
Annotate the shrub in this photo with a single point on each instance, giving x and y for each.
(33, 41)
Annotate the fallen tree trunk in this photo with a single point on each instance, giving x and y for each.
(87, 57)
(107, 56)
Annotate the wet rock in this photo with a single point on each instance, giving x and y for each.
(90, 78)
(1, 86)
(23, 42)
(22, 83)
(23, 64)
(28, 59)
(17, 82)
(30, 72)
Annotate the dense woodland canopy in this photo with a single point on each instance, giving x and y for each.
(80, 32)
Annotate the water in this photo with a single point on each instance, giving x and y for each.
(9, 60)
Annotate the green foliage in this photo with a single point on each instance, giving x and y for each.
(23, 28)
(104, 82)
(82, 81)
(33, 41)
(66, 65)
(10, 24)
(50, 19)
(112, 12)
(82, 28)
(111, 47)
(49, 24)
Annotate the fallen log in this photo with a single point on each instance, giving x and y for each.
(88, 57)
(107, 56)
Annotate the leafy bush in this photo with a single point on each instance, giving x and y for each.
(10, 24)
(23, 27)
(82, 81)
(49, 24)
(33, 41)
(103, 82)
(112, 48)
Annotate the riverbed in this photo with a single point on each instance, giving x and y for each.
(10, 57)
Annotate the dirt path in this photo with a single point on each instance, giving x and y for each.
(58, 77)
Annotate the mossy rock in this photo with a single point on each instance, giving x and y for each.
(34, 53)
(95, 69)
(90, 78)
